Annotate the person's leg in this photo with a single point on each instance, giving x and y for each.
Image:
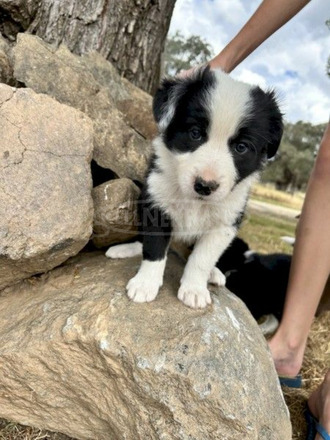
(309, 269)
(319, 404)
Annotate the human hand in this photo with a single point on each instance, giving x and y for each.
(218, 62)
(189, 72)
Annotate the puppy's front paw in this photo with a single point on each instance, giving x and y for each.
(196, 297)
(140, 289)
(217, 277)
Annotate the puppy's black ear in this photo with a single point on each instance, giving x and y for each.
(275, 125)
(267, 118)
(162, 99)
(172, 89)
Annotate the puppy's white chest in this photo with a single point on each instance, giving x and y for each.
(191, 221)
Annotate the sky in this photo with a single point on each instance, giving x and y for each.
(293, 60)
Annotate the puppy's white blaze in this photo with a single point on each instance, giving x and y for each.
(125, 250)
(226, 119)
(145, 285)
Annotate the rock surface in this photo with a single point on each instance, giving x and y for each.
(46, 207)
(78, 357)
(115, 213)
(69, 79)
(133, 102)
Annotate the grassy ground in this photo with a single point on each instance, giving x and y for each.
(262, 231)
(265, 193)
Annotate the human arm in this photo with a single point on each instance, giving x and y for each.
(268, 18)
(310, 268)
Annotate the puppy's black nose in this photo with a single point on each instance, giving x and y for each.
(204, 187)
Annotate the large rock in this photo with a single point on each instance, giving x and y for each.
(133, 102)
(46, 209)
(67, 78)
(78, 357)
(115, 213)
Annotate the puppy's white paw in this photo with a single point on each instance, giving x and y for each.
(217, 277)
(196, 297)
(125, 250)
(141, 289)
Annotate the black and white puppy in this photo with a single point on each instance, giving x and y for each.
(215, 135)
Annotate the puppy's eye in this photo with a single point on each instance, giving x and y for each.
(195, 134)
(241, 148)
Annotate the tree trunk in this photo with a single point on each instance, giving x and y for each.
(129, 33)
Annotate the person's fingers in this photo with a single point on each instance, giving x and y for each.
(189, 72)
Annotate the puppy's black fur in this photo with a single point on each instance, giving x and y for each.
(259, 280)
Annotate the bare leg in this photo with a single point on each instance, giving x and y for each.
(319, 404)
(309, 270)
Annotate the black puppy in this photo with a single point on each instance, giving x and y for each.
(258, 280)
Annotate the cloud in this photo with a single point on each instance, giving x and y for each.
(292, 60)
(250, 77)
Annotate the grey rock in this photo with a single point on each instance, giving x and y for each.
(80, 358)
(106, 75)
(64, 76)
(46, 207)
(133, 102)
(115, 213)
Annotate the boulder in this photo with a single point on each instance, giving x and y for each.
(66, 77)
(115, 213)
(80, 358)
(133, 102)
(138, 110)
(46, 208)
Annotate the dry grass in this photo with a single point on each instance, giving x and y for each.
(13, 431)
(316, 363)
(267, 193)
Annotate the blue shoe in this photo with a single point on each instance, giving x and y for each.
(291, 382)
(314, 427)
